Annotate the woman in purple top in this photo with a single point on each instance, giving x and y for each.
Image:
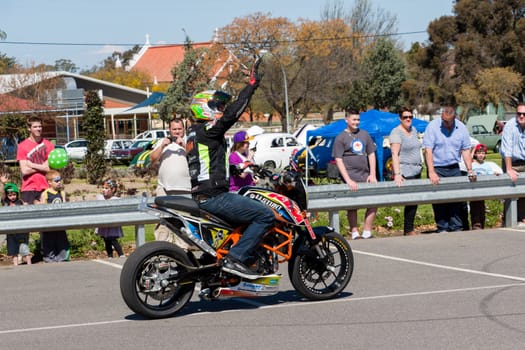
(240, 172)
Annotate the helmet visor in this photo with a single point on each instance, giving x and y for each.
(219, 101)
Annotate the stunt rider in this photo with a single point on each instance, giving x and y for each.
(206, 154)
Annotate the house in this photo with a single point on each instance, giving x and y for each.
(61, 100)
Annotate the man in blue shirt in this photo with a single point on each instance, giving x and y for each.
(445, 141)
(513, 152)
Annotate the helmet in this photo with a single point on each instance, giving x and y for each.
(209, 105)
(10, 187)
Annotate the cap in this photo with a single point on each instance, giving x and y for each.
(10, 187)
(240, 136)
(480, 146)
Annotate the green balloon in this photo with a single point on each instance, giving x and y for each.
(57, 158)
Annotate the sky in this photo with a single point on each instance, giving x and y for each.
(116, 25)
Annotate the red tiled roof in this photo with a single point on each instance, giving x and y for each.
(109, 103)
(158, 61)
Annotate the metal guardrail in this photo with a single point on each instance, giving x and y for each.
(333, 198)
(323, 198)
(76, 215)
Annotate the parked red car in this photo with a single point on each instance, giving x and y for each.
(126, 155)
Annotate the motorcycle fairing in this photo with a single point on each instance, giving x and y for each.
(283, 206)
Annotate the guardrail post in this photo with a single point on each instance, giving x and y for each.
(510, 212)
(334, 220)
(140, 235)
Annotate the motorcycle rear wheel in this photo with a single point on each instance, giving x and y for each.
(323, 278)
(144, 281)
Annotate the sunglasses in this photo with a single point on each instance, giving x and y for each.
(57, 179)
(407, 117)
(520, 114)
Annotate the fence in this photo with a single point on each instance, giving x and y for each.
(323, 198)
(332, 198)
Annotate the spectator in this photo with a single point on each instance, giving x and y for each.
(240, 161)
(481, 167)
(17, 243)
(32, 154)
(174, 176)
(354, 153)
(54, 244)
(406, 159)
(446, 139)
(110, 234)
(513, 152)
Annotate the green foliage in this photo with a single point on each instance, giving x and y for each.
(7, 64)
(480, 35)
(82, 241)
(65, 65)
(493, 213)
(13, 125)
(189, 77)
(94, 126)
(384, 71)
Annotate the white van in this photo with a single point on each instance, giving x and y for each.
(152, 135)
(273, 150)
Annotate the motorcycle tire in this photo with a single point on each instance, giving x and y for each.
(143, 281)
(318, 278)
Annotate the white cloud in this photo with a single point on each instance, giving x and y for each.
(109, 49)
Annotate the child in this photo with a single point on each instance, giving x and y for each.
(481, 167)
(240, 160)
(17, 243)
(54, 244)
(110, 234)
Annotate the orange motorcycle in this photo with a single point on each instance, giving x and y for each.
(159, 278)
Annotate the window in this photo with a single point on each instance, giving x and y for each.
(277, 142)
(291, 142)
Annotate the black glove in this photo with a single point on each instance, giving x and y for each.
(255, 76)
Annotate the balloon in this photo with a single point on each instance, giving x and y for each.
(57, 158)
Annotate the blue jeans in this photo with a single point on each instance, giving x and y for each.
(448, 215)
(239, 210)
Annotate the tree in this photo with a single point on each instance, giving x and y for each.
(65, 65)
(134, 79)
(313, 56)
(366, 25)
(94, 123)
(189, 77)
(492, 85)
(481, 35)
(7, 64)
(384, 72)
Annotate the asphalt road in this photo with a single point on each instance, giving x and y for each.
(435, 291)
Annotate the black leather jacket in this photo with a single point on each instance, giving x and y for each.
(206, 149)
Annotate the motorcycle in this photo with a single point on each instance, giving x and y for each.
(158, 279)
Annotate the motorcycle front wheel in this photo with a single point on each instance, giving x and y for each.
(148, 281)
(322, 278)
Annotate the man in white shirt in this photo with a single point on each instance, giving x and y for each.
(174, 176)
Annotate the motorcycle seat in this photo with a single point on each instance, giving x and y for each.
(179, 203)
(187, 205)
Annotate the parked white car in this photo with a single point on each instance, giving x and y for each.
(76, 149)
(273, 150)
(152, 134)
